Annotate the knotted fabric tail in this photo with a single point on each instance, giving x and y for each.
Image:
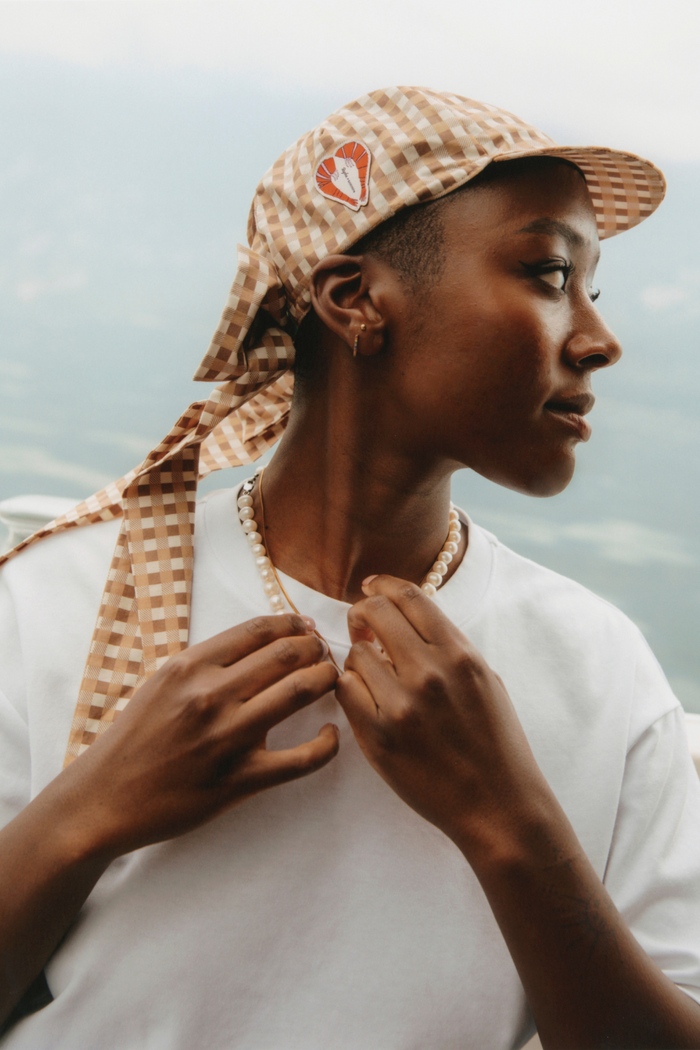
(145, 608)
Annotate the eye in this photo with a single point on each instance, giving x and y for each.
(557, 278)
(594, 294)
(553, 272)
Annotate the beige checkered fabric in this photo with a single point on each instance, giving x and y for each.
(422, 145)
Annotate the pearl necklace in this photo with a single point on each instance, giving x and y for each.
(272, 585)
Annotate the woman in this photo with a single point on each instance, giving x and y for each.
(530, 839)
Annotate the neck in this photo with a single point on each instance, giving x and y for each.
(341, 504)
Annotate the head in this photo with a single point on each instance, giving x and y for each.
(480, 330)
(384, 204)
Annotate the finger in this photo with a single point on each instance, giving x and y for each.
(379, 676)
(257, 672)
(356, 699)
(297, 690)
(245, 638)
(378, 617)
(279, 767)
(373, 666)
(418, 609)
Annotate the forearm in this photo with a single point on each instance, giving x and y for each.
(47, 870)
(588, 982)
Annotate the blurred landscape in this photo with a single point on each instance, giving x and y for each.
(122, 198)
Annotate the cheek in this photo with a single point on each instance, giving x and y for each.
(477, 370)
(498, 359)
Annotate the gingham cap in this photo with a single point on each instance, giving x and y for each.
(383, 152)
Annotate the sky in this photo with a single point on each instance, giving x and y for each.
(607, 69)
(133, 135)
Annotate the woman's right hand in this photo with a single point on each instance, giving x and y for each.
(192, 741)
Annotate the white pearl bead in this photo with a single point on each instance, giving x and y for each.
(445, 556)
(245, 501)
(429, 589)
(435, 578)
(277, 603)
(262, 562)
(454, 515)
(267, 574)
(249, 526)
(254, 539)
(452, 538)
(245, 513)
(450, 548)
(257, 548)
(440, 567)
(271, 587)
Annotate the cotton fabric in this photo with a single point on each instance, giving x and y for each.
(405, 146)
(325, 912)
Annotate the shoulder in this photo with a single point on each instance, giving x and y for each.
(556, 623)
(69, 561)
(75, 563)
(533, 595)
(50, 596)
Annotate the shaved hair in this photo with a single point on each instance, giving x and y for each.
(412, 242)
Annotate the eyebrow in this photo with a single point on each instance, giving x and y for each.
(555, 227)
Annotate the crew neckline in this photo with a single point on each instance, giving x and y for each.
(458, 598)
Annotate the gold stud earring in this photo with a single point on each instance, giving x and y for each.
(363, 328)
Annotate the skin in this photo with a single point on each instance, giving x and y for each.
(482, 370)
(190, 745)
(463, 376)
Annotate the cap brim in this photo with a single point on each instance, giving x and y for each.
(625, 189)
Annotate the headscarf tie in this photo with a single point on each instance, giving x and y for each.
(385, 151)
(144, 613)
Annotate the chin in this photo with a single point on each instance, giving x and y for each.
(546, 487)
(547, 480)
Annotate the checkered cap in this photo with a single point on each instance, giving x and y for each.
(386, 151)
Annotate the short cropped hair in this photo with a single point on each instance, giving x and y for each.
(412, 242)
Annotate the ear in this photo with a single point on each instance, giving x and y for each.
(345, 298)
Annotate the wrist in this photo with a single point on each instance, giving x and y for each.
(515, 834)
(71, 825)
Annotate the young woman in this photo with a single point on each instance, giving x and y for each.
(496, 820)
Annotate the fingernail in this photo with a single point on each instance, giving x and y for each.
(368, 579)
(324, 643)
(311, 624)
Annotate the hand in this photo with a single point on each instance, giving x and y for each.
(191, 742)
(433, 718)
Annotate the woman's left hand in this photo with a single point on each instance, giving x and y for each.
(434, 720)
(437, 723)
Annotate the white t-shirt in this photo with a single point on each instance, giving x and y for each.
(326, 913)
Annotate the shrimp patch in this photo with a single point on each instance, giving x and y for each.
(344, 175)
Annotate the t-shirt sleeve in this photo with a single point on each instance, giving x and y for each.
(653, 869)
(15, 765)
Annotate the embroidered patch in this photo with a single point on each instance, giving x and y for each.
(344, 175)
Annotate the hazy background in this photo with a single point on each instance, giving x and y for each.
(132, 136)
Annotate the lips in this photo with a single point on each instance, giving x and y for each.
(570, 412)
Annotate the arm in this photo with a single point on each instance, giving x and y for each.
(438, 725)
(190, 744)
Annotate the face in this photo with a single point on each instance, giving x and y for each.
(495, 364)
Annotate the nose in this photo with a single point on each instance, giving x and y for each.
(593, 345)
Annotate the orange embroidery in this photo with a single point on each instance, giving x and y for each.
(344, 175)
